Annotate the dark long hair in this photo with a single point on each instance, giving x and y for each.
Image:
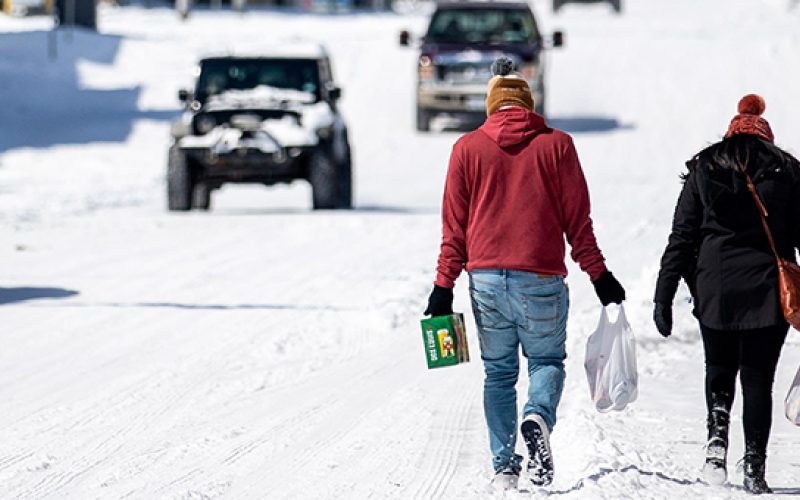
(737, 150)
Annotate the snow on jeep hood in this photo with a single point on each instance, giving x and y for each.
(259, 97)
(286, 131)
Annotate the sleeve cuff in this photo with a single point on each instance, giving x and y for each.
(444, 282)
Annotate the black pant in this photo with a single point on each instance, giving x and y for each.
(754, 354)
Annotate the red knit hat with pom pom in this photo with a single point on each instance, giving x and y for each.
(749, 120)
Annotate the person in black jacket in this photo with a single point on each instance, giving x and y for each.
(718, 245)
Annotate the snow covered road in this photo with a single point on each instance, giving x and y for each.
(266, 351)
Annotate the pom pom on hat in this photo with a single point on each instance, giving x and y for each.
(749, 120)
(502, 66)
(752, 104)
(507, 88)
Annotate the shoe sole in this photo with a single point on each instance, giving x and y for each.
(507, 482)
(534, 430)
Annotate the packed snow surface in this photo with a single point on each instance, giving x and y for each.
(263, 350)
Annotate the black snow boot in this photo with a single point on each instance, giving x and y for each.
(754, 469)
(714, 470)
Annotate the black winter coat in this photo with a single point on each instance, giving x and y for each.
(718, 243)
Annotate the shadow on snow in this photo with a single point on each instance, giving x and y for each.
(631, 468)
(786, 491)
(207, 307)
(588, 124)
(12, 295)
(568, 124)
(43, 100)
(369, 208)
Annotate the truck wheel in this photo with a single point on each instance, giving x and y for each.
(201, 196)
(179, 181)
(322, 175)
(423, 120)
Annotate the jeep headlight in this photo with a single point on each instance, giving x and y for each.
(426, 70)
(204, 124)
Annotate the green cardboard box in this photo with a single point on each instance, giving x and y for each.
(445, 340)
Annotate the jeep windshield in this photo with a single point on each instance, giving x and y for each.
(220, 75)
(489, 26)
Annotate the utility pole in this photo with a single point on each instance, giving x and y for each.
(71, 13)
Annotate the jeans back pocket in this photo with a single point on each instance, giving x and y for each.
(484, 306)
(542, 312)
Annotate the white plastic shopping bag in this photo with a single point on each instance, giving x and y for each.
(611, 363)
(793, 401)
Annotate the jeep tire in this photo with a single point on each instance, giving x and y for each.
(346, 181)
(179, 181)
(326, 183)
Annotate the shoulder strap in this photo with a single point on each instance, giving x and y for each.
(762, 211)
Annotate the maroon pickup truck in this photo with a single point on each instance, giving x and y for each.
(462, 40)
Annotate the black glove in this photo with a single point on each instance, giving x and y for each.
(608, 289)
(440, 303)
(662, 315)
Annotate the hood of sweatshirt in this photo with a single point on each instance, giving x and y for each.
(512, 126)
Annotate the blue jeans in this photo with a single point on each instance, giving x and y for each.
(512, 309)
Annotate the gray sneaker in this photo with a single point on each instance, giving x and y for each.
(506, 479)
(537, 438)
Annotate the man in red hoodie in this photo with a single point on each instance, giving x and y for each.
(514, 190)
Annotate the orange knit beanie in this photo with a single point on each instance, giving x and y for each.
(507, 88)
(749, 120)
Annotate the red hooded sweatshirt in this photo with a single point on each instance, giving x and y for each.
(514, 189)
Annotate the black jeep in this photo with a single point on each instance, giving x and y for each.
(462, 40)
(261, 119)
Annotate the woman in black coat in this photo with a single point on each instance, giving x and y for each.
(718, 245)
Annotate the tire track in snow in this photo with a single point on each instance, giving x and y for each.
(331, 420)
(337, 410)
(62, 419)
(447, 438)
(286, 439)
(351, 347)
(107, 448)
(9, 461)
